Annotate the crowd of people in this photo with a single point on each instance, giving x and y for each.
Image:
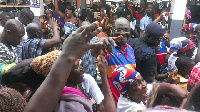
(53, 65)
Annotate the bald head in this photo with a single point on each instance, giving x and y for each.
(33, 29)
(12, 33)
(121, 27)
(120, 21)
(13, 24)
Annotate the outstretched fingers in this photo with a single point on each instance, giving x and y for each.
(88, 29)
(95, 45)
(113, 42)
(92, 34)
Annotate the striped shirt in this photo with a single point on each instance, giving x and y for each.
(119, 57)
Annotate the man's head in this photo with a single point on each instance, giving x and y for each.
(149, 9)
(26, 16)
(191, 32)
(184, 65)
(12, 33)
(114, 17)
(153, 34)
(5, 16)
(142, 8)
(34, 30)
(121, 27)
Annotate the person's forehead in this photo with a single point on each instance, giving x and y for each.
(121, 24)
(139, 77)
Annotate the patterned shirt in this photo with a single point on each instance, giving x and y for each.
(7, 54)
(119, 57)
(30, 48)
(162, 52)
(88, 61)
(194, 78)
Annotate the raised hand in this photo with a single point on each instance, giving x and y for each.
(102, 65)
(107, 41)
(78, 42)
(53, 22)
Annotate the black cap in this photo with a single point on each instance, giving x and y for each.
(154, 29)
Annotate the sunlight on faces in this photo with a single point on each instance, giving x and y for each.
(122, 27)
(138, 89)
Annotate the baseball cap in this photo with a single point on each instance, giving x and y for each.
(154, 29)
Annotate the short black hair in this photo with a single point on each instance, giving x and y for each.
(184, 62)
(27, 12)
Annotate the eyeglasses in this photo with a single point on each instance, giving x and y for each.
(126, 30)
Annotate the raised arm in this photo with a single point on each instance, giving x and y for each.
(161, 15)
(62, 15)
(108, 97)
(178, 92)
(48, 94)
(106, 45)
(56, 35)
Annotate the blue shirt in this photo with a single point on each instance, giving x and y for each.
(163, 48)
(144, 22)
(30, 48)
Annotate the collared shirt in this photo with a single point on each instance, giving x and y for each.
(144, 22)
(145, 57)
(119, 57)
(30, 48)
(8, 54)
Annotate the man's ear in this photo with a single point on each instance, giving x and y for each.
(184, 69)
(8, 32)
(36, 33)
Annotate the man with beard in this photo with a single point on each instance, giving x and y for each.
(117, 53)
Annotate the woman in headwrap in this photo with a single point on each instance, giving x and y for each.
(136, 93)
(180, 46)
